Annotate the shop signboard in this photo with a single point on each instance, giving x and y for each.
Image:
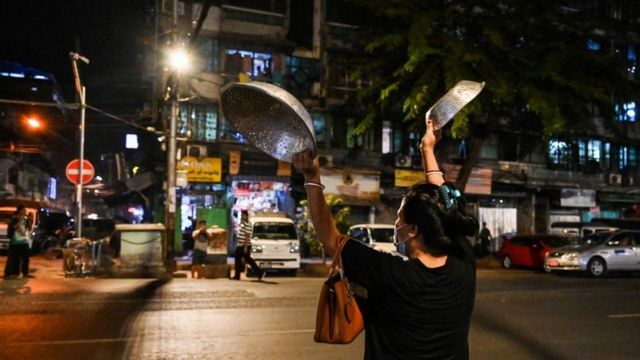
(406, 178)
(480, 179)
(578, 198)
(351, 184)
(208, 169)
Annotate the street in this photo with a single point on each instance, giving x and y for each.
(519, 314)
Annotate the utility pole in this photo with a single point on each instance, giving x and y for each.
(82, 94)
(171, 94)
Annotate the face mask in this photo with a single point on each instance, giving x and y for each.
(401, 247)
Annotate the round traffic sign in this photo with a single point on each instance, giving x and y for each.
(73, 171)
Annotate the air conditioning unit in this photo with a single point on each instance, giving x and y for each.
(627, 181)
(403, 161)
(316, 89)
(198, 151)
(325, 160)
(615, 179)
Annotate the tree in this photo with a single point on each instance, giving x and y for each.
(305, 227)
(533, 56)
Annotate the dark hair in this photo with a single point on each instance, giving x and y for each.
(202, 222)
(20, 207)
(441, 228)
(244, 212)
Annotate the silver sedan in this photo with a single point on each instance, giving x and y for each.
(597, 253)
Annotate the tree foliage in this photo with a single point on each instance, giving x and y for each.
(305, 226)
(533, 56)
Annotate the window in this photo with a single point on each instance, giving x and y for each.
(303, 73)
(632, 60)
(387, 133)
(593, 45)
(208, 50)
(320, 127)
(623, 157)
(198, 122)
(626, 111)
(594, 150)
(607, 155)
(582, 152)
(633, 157)
(254, 64)
(559, 153)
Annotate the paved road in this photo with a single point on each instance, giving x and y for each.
(518, 315)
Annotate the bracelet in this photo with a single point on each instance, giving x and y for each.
(434, 172)
(314, 184)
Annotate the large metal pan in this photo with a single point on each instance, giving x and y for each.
(269, 117)
(452, 102)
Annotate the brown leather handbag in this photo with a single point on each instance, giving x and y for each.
(338, 320)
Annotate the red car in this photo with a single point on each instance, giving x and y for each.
(528, 251)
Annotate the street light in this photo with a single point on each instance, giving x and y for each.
(34, 123)
(178, 60)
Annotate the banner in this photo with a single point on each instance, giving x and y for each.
(207, 169)
(406, 178)
(578, 198)
(479, 182)
(351, 184)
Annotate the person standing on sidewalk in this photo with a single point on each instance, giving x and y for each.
(18, 258)
(201, 238)
(243, 248)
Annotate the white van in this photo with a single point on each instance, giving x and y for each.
(275, 243)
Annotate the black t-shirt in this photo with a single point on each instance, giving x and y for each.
(412, 311)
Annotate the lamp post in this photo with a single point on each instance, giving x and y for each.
(178, 61)
(82, 95)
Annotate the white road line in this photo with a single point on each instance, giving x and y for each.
(126, 339)
(624, 315)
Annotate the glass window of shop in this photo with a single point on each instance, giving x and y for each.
(200, 196)
(258, 196)
(559, 153)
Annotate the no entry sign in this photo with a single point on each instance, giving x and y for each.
(73, 171)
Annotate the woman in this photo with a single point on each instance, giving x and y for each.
(416, 309)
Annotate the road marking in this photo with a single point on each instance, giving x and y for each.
(126, 339)
(624, 315)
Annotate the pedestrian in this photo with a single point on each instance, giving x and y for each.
(201, 238)
(485, 240)
(415, 309)
(18, 257)
(242, 253)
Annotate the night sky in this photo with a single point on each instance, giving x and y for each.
(110, 33)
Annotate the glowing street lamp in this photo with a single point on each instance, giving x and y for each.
(178, 60)
(34, 123)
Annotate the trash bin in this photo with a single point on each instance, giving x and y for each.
(141, 250)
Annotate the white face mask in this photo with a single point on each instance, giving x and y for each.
(401, 247)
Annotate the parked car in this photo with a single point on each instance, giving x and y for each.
(275, 243)
(378, 236)
(48, 227)
(528, 251)
(597, 254)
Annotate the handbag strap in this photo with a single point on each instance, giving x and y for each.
(337, 259)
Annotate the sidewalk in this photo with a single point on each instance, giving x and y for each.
(40, 267)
